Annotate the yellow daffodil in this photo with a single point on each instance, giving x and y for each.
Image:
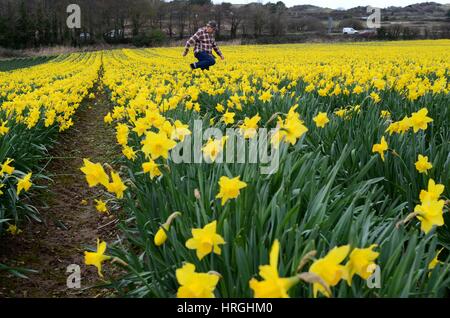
(357, 89)
(220, 108)
(129, 153)
(97, 258)
(141, 126)
(205, 240)
(229, 188)
(341, 112)
(272, 285)
(361, 262)
(433, 192)
(430, 213)
(95, 174)
(249, 127)
(116, 186)
(290, 131)
(385, 114)
(122, 132)
(321, 119)
(213, 148)
(381, 147)
(24, 183)
(420, 120)
(228, 117)
(422, 164)
(375, 97)
(157, 145)
(3, 128)
(101, 206)
(180, 131)
(6, 168)
(151, 168)
(265, 97)
(195, 285)
(329, 268)
(404, 125)
(13, 229)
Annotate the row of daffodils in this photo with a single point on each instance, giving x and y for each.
(353, 209)
(35, 104)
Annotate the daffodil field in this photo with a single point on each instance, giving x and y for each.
(357, 205)
(36, 103)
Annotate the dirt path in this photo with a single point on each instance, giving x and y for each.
(68, 225)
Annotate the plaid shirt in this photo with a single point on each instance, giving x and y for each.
(203, 42)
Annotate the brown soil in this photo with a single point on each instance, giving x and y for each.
(68, 227)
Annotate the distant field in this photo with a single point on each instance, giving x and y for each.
(13, 64)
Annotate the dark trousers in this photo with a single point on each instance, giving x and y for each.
(205, 60)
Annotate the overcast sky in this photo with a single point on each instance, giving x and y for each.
(341, 3)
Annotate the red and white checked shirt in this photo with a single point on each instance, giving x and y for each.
(203, 42)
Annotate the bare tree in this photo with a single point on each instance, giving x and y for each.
(236, 18)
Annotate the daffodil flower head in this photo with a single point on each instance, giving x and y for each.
(195, 285)
(321, 119)
(329, 268)
(24, 183)
(96, 258)
(229, 188)
(422, 164)
(6, 168)
(272, 285)
(116, 186)
(95, 174)
(430, 213)
(361, 261)
(420, 120)
(101, 206)
(433, 192)
(381, 147)
(157, 145)
(152, 168)
(205, 240)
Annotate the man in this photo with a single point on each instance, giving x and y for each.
(204, 44)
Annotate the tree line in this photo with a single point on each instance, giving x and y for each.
(35, 23)
(43, 22)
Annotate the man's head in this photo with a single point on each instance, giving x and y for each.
(211, 26)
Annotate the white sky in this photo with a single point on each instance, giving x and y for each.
(342, 3)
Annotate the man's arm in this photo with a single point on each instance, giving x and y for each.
(191, 41)
(216, 48)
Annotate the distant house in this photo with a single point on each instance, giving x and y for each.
(85, 36)
(114, 34)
